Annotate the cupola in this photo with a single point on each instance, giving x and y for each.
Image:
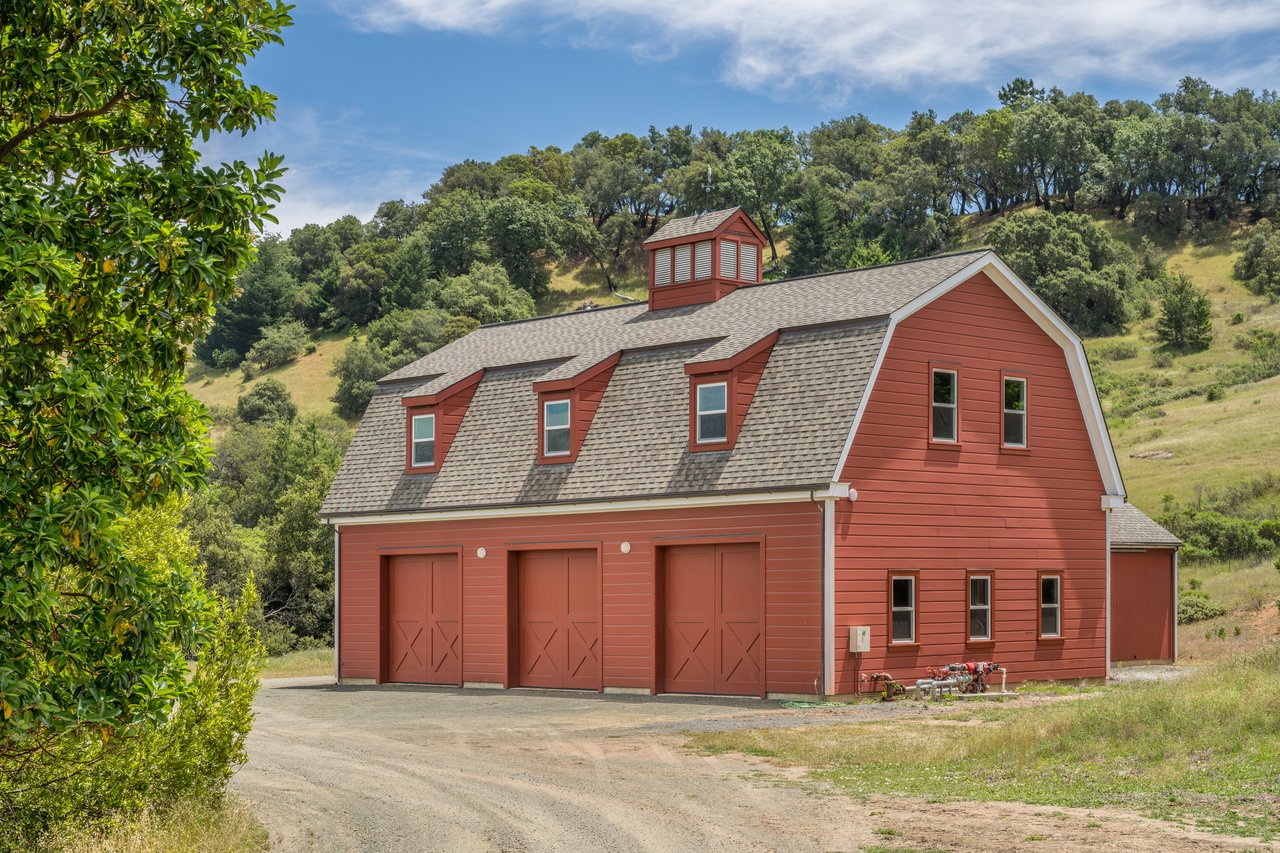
(697, 259)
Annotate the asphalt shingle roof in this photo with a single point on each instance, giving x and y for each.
(1133, 528)
(689, 226)
(832, 327)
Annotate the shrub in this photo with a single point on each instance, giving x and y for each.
(268, 400)
(1237, 318)
(224, 358)
(1194, 605)
(1119, 351)
(1259, 262)
(1162, 360)
(1186, 315)
(1214, 393)
(1210, 534)
(279, 345)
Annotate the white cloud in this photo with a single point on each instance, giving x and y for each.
(336, 165)
(836, 47)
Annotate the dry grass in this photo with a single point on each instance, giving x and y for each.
(307, 378)
(297, 664)
(575, 286)
(1249, 589)
(226, 828)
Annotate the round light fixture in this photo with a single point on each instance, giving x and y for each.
(625, 547)
(481, 553)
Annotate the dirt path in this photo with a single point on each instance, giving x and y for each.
(349, 769)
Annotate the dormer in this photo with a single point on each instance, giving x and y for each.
(720, 393)
(431, 422)
(703, 258)
(566, 408)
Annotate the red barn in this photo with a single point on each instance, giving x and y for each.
(716, 491)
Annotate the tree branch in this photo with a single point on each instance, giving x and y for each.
(63, 118)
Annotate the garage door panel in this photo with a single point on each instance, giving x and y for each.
(1142, 623)
(559, 636)
(713, 631)
(423, 629)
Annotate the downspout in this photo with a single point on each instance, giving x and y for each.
(337, 671)
(826, 679)
(1107, 615)
(1175, 605)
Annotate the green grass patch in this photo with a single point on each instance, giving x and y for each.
(1204, 750)
(297, 664)
(226, 827)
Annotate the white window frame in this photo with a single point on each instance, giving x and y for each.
(547, 429)
(1004, 438)
(699, 412)
(972, 607)
(894, 609)
(1056, 608)
(954, 405)
(414, 441)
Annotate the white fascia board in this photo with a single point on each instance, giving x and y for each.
(862, 403)
(829, 596)
(1053, 325)
(736, 499)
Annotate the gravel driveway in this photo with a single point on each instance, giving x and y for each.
(421, 769)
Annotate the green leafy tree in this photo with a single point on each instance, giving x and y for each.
(279, 345)
(813, 233)
(411, 281)
(1091, 280)
(1259, 261)
(392, 342)
(760, 171)
(269, 400)
(484, 294)
(455, 231)
(229, 555)
(1186, 315)
(119, 243)
(268, 295)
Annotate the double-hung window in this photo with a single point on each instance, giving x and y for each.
(1015, 412)
(1051, 605)
(555, 428)
(979, 607)
(902, 609)
(713, 413)
(424, 441)
(945, 414)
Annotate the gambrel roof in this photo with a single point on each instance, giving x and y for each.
(795, 434)
(1130, 527)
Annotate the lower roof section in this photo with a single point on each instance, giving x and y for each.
(638, 444)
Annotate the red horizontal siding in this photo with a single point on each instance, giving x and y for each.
(975, 506)
(793, 557)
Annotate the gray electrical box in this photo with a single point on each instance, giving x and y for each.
(859, 639)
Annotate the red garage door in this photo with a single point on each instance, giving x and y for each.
(422, 620)
(1142, 606)
(713, 638)
(559, 641)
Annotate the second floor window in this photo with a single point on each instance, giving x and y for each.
(424, 440)
(555, 428)
(1050, 605)
(713, 413)
(945, 411)
(1015, 412)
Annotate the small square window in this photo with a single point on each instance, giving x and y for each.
(424, 441)
(1015, 412)
(555, 428)
(902, 608)
(1050, 606)
(713, 413)
(944, 427)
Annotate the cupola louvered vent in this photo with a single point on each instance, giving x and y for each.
(703, 258)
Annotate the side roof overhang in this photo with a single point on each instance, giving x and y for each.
(1054, 326)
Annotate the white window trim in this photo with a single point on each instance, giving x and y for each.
(1057, 608)
(568, 427)
(973, 607)
(699, 412)
(954, 406)
(414, 441)
(893, 579)
(1025, 406)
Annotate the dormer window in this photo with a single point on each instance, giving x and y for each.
(713, 413)
(424, 441)
(555, 428)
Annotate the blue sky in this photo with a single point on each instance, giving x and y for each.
(377, 96)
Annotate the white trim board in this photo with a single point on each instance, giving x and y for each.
(835, 490)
